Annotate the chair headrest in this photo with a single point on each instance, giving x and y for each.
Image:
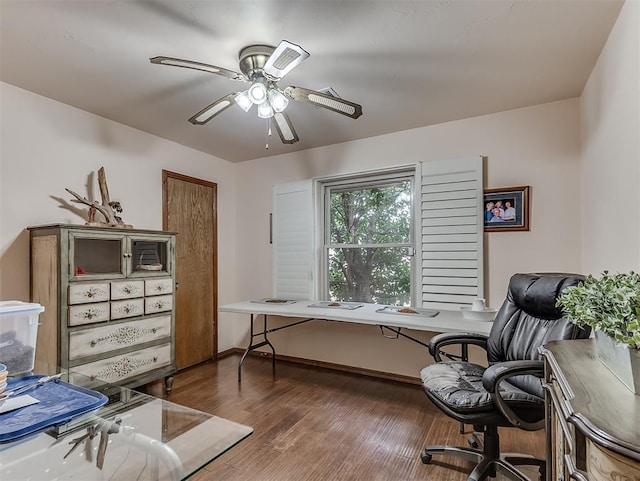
(536, 294)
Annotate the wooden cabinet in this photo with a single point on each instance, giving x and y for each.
(593, 420)
(605, 465)
(109, 302)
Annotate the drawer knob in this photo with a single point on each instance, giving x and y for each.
(89, 314)
(128, 289)
(92, 292)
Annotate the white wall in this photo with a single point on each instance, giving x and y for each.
(610, 118)
(585, 212)
(537, 146)
(47, 146)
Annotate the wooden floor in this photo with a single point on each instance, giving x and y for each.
(317, 424)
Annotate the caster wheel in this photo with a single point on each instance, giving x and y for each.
(473, 442)
(426, 458)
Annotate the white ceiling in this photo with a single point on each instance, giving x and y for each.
(409, 64)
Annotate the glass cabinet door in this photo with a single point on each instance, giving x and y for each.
(94, 255)
(149, 255)
(102, 256)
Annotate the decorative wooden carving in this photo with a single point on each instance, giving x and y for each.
(109, 209)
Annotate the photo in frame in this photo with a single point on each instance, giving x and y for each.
(506, 209)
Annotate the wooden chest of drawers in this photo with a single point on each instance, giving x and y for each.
(108, 296)
(593, 420)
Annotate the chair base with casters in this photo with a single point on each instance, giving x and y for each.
(458, 389)
(509, 392)
(474, 439)
(488, 461)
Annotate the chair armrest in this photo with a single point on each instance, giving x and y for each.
(453, 338)
(497, 373)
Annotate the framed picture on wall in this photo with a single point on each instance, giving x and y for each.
(506, 209)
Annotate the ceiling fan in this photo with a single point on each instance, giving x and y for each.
(264, 66)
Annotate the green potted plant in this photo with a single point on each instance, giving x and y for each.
(610, 304)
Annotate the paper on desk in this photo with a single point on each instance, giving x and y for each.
(13, 403)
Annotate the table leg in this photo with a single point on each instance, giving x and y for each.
(252, 346)
(266, 340)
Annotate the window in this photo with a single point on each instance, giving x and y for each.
(353, 237)
(368, 241)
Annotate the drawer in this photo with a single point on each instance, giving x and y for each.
(98, 340)
(604, 465)
(128, 308)
(118, 368)
(127, 289)
(158, 304)
(84, 293)
(88, 313)
(155, 287)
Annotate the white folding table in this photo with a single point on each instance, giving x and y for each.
(305, 311)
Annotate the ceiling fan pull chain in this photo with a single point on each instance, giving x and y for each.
(268, 133)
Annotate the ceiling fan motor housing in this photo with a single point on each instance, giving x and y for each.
(253, 58)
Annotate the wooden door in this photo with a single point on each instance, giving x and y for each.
(189, 208)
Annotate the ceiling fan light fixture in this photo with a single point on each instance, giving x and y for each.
(277, 100)
(244, 101)
(257, 93)
(265, 111)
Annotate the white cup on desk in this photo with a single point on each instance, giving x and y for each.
(478, 305)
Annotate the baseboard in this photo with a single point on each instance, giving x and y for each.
(325, 365)
(229, 352)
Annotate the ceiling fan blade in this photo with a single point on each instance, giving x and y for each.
(336, 104)
(210, 111)
(285, 129)
(178, 62)
(284, 58)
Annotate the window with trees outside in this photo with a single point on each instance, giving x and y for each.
(405, 235)
(368, 241)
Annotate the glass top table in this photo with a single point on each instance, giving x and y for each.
(135, 437)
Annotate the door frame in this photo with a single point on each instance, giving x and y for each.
(166, 175)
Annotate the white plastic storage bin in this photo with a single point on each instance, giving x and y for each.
(18, 333)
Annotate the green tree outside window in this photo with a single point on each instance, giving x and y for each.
(369, 246)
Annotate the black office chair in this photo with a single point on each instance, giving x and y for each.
(509, 392)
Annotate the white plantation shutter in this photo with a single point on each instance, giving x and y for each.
(448, 222)
(293, 230)
(451, 233)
